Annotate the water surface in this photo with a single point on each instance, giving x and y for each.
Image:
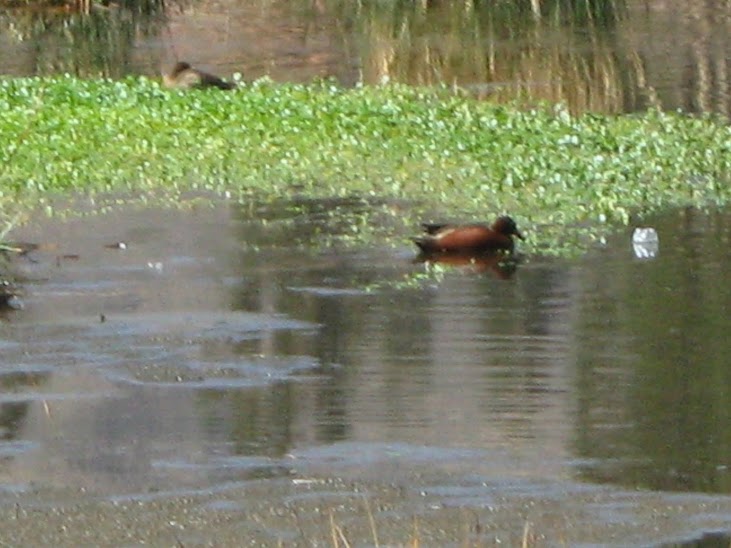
(218, 349)
(601, 56)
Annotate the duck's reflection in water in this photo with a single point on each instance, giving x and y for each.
(501, 265)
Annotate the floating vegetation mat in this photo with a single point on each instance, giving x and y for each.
(564, 178)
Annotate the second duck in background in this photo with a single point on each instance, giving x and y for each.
(183, 76)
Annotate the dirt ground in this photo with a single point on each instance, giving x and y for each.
(357, 509)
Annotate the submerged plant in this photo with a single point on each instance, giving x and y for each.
(6, 226)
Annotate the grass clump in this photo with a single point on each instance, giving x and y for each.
(448, 154)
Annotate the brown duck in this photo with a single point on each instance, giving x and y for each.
(469, 238)
(183, 76)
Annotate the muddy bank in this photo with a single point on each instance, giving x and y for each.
(417, 504)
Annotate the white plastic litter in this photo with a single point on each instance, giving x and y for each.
(645, 243)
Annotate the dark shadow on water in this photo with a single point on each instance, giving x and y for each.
(715, 539)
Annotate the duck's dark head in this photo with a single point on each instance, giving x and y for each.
(506, 225)
(179, 67)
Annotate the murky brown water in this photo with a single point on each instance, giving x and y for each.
(619, 56)
(228, 354)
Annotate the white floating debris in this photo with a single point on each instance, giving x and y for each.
(645, 243)
(155, 266)
(15, 303)
(303, 481)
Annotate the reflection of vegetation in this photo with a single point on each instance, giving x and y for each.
(665, 422)
(598, 55)
(553, 50)
(86, 41)
(578, 12)
(148, 7)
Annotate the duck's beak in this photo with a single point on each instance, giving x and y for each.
(519, 235)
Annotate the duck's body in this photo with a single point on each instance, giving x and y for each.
(469, 238)
(183, 76)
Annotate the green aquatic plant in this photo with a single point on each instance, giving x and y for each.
(430, 275)
(565, 178)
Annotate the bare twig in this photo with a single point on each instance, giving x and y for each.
(526, 535)
(372, 522)
(333, 533)
(415, 540)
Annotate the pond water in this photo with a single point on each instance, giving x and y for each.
(607, 56)
(221, 346)
(224, 356)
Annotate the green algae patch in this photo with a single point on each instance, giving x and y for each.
(564, 178)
